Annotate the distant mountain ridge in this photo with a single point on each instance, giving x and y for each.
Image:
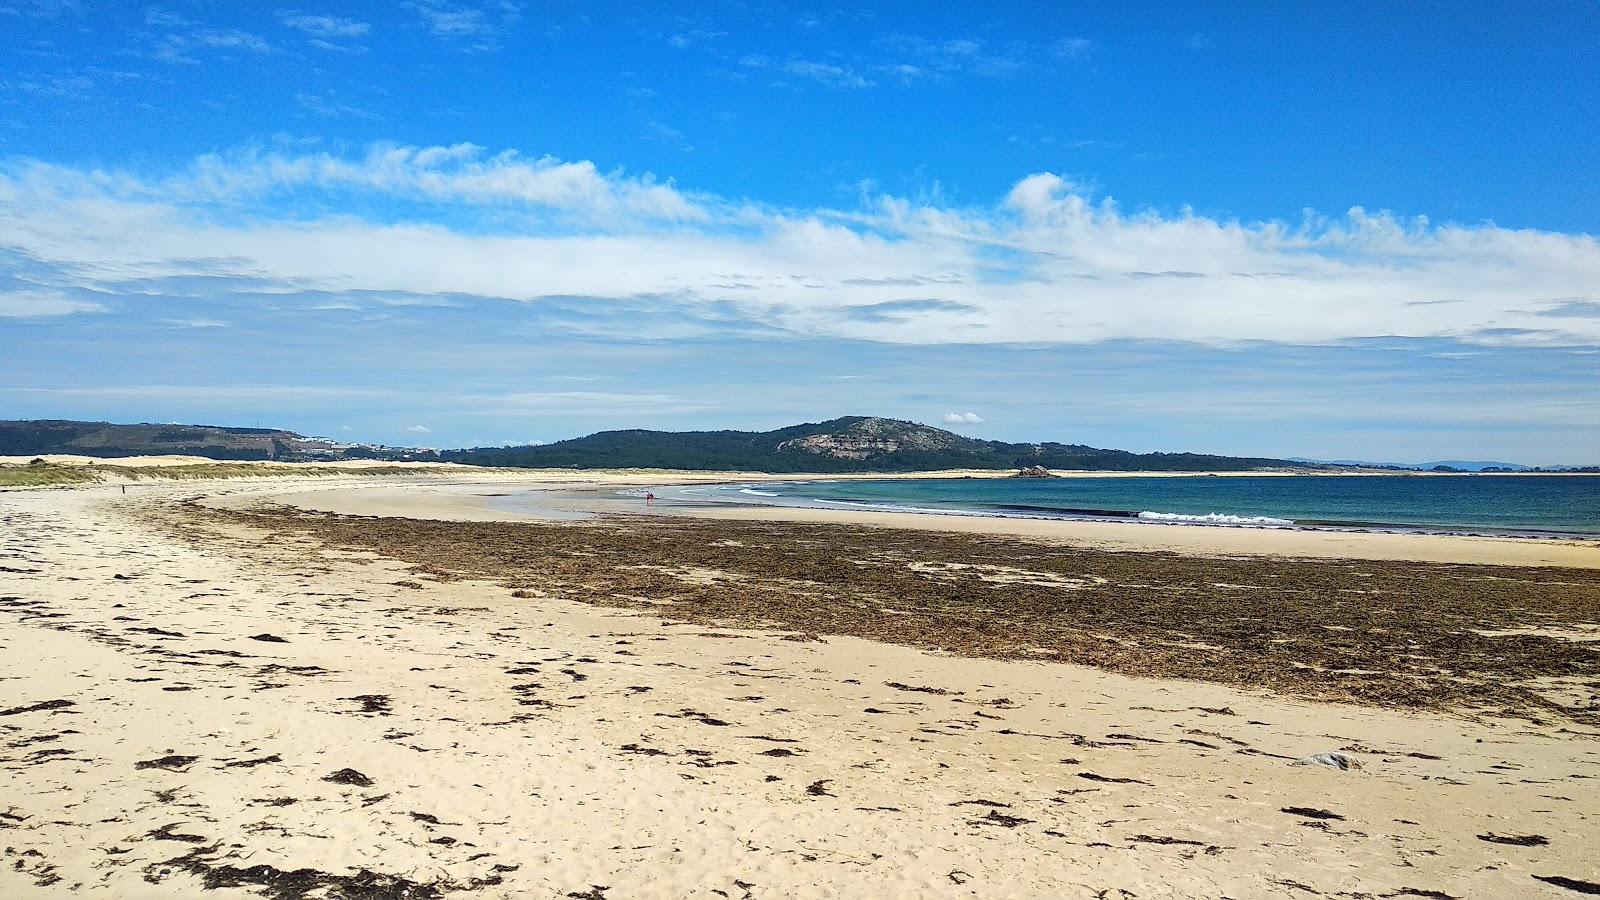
(846, 444)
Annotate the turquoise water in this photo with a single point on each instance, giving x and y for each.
(1489, 503)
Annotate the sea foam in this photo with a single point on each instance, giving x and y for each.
(1214, 519)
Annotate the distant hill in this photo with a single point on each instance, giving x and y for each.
(1452, 465)
(36, 437)
(848, 444)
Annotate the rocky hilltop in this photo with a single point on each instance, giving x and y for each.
(865, 438)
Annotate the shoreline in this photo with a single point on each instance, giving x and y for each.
(1130, 516)
(476, 501)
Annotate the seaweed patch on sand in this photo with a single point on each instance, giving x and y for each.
(1464, 638)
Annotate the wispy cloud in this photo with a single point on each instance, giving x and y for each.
(960, 55)
(37, 303)
(460, 173)
(1076, 49)
(327, 26)
(469, 26)
(329, 108)
(54, 87)
(828, 74)
(43, 9)
(185, 46)
(663, 133)
(195, 323)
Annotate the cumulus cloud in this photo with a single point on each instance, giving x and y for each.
(1050, 262)
(966, 418)
(419, 429)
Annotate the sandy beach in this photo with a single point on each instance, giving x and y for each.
(209, 693)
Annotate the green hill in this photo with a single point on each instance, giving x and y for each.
(36, 437)
(848, 444)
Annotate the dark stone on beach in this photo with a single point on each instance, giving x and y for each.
(269, 638)
(349, 776)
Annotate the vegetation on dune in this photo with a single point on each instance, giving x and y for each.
(42, 474)
(45, 474)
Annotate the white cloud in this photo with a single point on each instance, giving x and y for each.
(1076, 49)
(195, 323)
(468, 26)
(962, 55)
(29, 304)
(826, 74)
(1050, 263)
(331, 109)
(51, 86)
(458, 173)
(419, 429)
(833, 75)
(967, 418)
(327, 26)
(180, 47)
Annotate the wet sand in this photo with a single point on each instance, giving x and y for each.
(198, 698)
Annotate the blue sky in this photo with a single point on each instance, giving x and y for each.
(1340, 230)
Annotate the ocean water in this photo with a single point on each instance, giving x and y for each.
(1530, 504)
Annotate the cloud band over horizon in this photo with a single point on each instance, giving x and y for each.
(1048, 263)
(497, 296)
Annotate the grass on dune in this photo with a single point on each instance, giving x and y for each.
(51, 474)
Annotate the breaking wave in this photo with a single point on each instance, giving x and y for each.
(1214, 519)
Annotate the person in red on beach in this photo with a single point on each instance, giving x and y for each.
(649, 498)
